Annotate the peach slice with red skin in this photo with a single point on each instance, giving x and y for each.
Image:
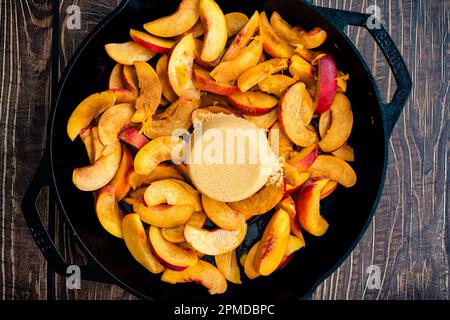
(161, 71)
(273, 243)
(296, 101)
(328, 189)
(274, 45)
(99, 173)
(279, 142)
(264, 121)
(153, 153)
(227, 264)
(177, 23)
(216, 32)
(341, 124)
(150, 42)
(294, 245)
(115, 79)
(307, 205)
(235, 22)
(89, 109)
(128, 53)
(261, 202)
(150, 92)
(137, 243)
(249, 263)
(176, 234)
(160, 172)
(294, 178)
(302, 70)
(260, 72)
(177, 116)
(253, 103)
(108, 212)
(326, 84)
(345, 153)
(133, 137)
(336, 169)
(229, 71)
(164, 215)
(207, 83)
(276, 84)
(242, 38)
(113, 121)
(288, 205)
(222, 215)
(180, 68)
(214, 242)
(202, 273)
(120, 181)
(169, 254)
(305, 158)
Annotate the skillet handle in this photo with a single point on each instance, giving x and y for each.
(91, 271)
(392, 110)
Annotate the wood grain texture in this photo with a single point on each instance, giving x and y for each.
(409, 236)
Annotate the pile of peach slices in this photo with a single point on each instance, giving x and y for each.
(262, 70)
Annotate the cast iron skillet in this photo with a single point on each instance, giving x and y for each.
(348, 211)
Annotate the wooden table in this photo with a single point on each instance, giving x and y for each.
(409, 236)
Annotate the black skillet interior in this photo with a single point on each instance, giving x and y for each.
(347, 211)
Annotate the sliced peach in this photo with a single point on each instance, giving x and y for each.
(160, 172)
(133, 137)
(222, 215)
(242, 259)
(324, 123)
(153, 153)
(309, 55)
(176, 234)
(130, 80)
(305, 158)
(168, 191)
(235, 22)
(253, 102)
(178, 23)
(342, 82)
(202, 273)
(294, 178)
(261, 202)
(115, 79)
(197, 30)
(216, 32)
(288, 205)
(229, 71)
(273, 243)
(274, 45)
(150, 42)
(308, 207)
(108, 212)
(328, 189)
(128, 53)
(302, 70)
(208, 84)
(242, 38)
(89, 109)
(161, 70)
(345, 153)
(341, 124)
(180, 68)
(164, 215)
(170, 255)
(279, 142)
(97, 145)
(326, 83)
(336, 169)
(294, 108)
(276, 84)
(260, 72)
(249, 264)
(264, 121)
(113, 121)
(193, 192)
(137, 243)
(177, 116)
(214, 242)
(136, 196)
(198, 57)
(150, 92)
(227, 264)
(123, 95)
(86, 137)
(297, 36)
(120, 181)
(294, 245)
(99, 173)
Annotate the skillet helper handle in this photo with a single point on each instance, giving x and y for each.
(41, 236)
(392, 110)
